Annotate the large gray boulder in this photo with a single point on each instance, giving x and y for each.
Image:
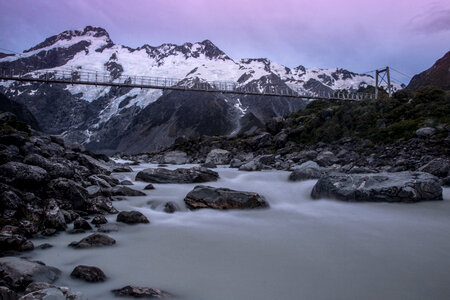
(305, 171)
(218, 157)
(20, 175)
(425, 132)
(221, 198)
(94, 240)
(379, 187)
(140, 292)
(175, 158)
(88, 273)
(192, 175)
(50, 292)
(17, 273)
(438, 167)
(132, 217)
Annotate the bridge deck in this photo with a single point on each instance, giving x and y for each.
(145, 82)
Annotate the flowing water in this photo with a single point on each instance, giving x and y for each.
(298, 249)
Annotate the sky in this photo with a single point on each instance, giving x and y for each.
(358, 35)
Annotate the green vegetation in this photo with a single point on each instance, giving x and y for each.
(381, 121)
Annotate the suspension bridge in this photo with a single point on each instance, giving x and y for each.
(164, 83)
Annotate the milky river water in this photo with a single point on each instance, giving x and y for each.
(298, 249)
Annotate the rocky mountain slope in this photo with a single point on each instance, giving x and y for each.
(436, 76)
(110, 119)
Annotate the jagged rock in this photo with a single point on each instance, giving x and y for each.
(17, 273)
(14, 242)
(140, 292)
(305, 171)
(218, 157)
(236, 163)
(251, 166)
(122, 169)
(125, 191)
(54, 218)
(88, 273)
(44, 292)
(193, 175)
(54, 169)
(221, 198)
(126, 182)
(438, 167)
(380, 187)
(425, 132)
(170, 207)
(7, 294)
(94, 240)
(22, 175)
(101, 205)
(175, 158)
(98, 220)
(132, 217)
(97, 180)
(149, 187)
(69, 191)
(326, 158)
(81, 223)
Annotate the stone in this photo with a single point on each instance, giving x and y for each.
(140, 292)
(305, 171)
(45, 246)
(221, 198)
(94, 240)
(438, 167)
(251, 166)
(18, 273)
(379, 187)
(218, 157)
(192, 175)
(54, 218)
(236, 163)
(7, 294)
(209, 165)
(14, 242)
(149, 187)
(170, 207)
(88, 273)
(101, 205)
(122, 169)
(98, 220)
(425, 132)
(81, 223)
(53, 293)
(126, 182)
(125, 191)
(326, 158)
(175, 158)
(110, 227)
(70, 192)
(275, 125)
(22, 175)
(132, 217)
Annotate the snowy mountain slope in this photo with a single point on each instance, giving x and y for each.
(91, 115)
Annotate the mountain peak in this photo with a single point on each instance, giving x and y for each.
(88, 31)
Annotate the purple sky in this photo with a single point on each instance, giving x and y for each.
(409, 35)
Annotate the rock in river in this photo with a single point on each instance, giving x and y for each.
(140, 292)
(192, 175)
(132, 217)
(94, 240)
(88, 273)
(379, 187)
(221, 198)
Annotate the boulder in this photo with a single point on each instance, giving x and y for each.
(209, 165)
(88, 273)
(94, 240)
(326, 158)
(110, 227)
(379, 187)
(101, 205)
(149, 187)
(81, 223)
(53, 293)
(14, 242)
(218, 157)
(140, 292)
(22, 175)
(175, 158)
(122, 169)
(7, 294)
(170, 207)
(425, 132)
(98, 220)
(125, 191)
(192, 175)
(17, 273)
(236, 163)
(305, 171)
(54, 217)
(54, 169)
(126, 182)
(438, 167)
(132, 217)
(251, 166)
(69, 191)
(221, 198)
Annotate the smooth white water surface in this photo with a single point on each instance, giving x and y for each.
(298, 249)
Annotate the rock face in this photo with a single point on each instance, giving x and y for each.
(175, 158)
(88, 273)
(132, 217)
(218, 157)
(380, 187)
(307, 170)
(18, 273)
(94, 240)
(161, 175)
(140, 292)
(221, 198)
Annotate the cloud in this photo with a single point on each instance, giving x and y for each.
(435, 20)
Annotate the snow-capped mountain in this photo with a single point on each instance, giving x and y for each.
(105, 118)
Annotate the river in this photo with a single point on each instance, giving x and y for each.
(298, 249)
